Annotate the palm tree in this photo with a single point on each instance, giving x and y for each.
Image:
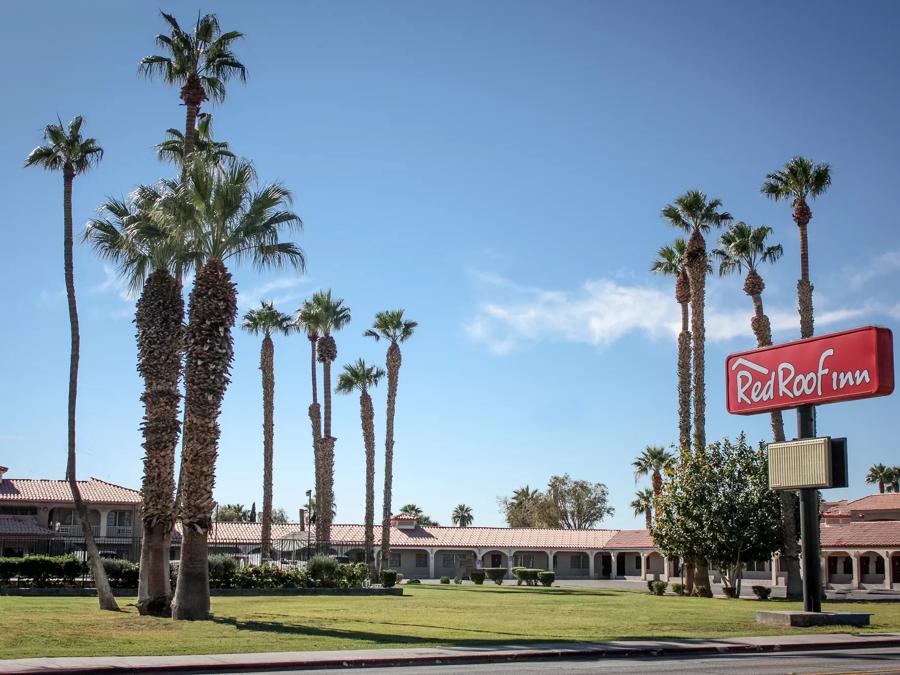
(391, 326)
(879, 474)
(171, 149)
(330, 315)
(146, 256)
(200, 63)
(670, 261)
(744, 248)
(361, 377)
(309, 320)
(652, 461)
(229, 222)
(66, 150)
(798, 180)
(895, 479)
(462, 515)
(643, 505)
(696, 213)
(266, 319)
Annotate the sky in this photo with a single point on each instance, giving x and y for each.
(496, 169)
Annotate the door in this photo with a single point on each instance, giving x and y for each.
(895, 569)
(606, 566)
(496, 560)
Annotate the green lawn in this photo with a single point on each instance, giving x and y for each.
(426, 616)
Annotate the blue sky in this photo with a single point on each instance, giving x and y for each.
(495, 168)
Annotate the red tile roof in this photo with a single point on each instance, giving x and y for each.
(419, 537)
(22, 526)
(880, 534)
(877, 502)
(631, 539)
(837, 509)
(94, 491)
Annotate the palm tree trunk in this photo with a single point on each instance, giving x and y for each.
(648, 518)
(684, 382)
(326, 508)
(209, 351)
(394, 361)
(881, 486)
(802, 216)
(791, 553)
(315, 419)
(159, 318)
(267, 365)
(192, 95)
(104, 592)
(367, 418)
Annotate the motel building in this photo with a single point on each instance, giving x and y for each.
(860, 540)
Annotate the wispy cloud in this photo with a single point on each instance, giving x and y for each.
(603, 311)
(50, 298)
(279, 291)
(880, 265)
(114, 284)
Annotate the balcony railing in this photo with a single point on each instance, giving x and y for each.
(76, 531)
(119, 530)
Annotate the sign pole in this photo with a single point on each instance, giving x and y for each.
(809, 523)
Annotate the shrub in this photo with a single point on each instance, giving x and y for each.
(526, 576)
(9, 568)
(322, 571)
(413, 581)
(221, 571)
(495, 574)
(477, 577)
(445, 580)
(658, 587)
(730, 592)
(71, 568)
(546, 578)
(678, 589)
(762, 592)
(352, 575)
(650, 584)
(388, 578)
(457, 580)
(121, 573)
(173, 574)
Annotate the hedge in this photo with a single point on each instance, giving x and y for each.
(495, 574)
(477, 577)
(42, 570)
(546, 578)
(388, 578)
(527, 576)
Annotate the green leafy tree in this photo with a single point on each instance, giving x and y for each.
(266, 319)
(653, 461)
(146, 255)
(65, 149)
(642, 505)
(361, 377)
(670, 261)
(232, 513)
(799, 180)
(229, 222)
(527, 507)
(391, 326)
(200, 63)
(462, 515)
(578, 504)
(279, 517)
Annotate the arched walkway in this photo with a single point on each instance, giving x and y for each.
(494, 559)
(603, 565)
(531, 559)
(838, 568)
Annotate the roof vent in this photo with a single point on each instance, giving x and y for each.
(403, 521)
(3, 470)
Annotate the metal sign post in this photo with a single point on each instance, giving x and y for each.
(809, 523)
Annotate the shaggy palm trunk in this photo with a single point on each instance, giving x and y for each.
(394, 361)
(802, 216)
(697, 264)
(367, 418)
(193, 96)
(327, 349)
(315, 420)
(754, 286)
(648, 519)
(209, 351)
(104, 592)
(683, 297)
(159, 318)
(267, 366)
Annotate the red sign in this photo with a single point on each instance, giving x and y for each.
(856, 363)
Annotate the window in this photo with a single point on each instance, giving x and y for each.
(637, 562)
(18, 510)
(879, 565)
(579, 561)
(524, 560)
(756, 566)
(421, 560)
(864, 565)
(119, 519)
(64, 516)
(395, 559)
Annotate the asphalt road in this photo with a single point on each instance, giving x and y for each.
(846, 662)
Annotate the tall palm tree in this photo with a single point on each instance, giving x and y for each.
(332, 315)
(309, 320)
(462, 515)
(391, 326)
(696, 213)
(361, 377)
(229, 222)
(65, 149)
(895, 478)
(652, 461)
(643, 505)
(171, 149)
(744, 248)
(879, 475)
(266, 319)
(670, 261)
(146, 256)
(200, 63)
(800, 179)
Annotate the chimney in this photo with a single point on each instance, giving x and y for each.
(3, 471)
(303, 520)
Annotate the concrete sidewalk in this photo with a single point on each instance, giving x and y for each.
(448, 655)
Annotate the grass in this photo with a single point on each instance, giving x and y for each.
(426, 616)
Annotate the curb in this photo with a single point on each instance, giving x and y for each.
(619, 650)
